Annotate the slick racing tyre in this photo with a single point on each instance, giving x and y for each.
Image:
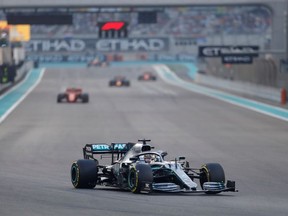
(85, 98)
(127, 83)
(138, 176)
(212, 172)
(84, 174)
(60, 97)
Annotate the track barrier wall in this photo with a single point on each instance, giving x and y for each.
(20, 74)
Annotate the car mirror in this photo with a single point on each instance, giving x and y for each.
(133, 159)
(163, 154)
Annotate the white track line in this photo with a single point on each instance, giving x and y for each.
(2, 118)
(161, 70)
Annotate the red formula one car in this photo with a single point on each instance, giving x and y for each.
(73, 95)
(147, 76)
(119, 81)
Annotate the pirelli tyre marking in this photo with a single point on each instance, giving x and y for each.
(207, 172)
(75, 174)
(133, 180)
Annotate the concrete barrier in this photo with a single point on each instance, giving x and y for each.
(250, 89)
(20, 74)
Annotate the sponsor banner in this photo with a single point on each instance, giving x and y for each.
(219, 51)
(82, 57)
(61, 58)
(236, 59)
(19, 33)
(164, 57)
(100, 45)
(172, 57)
(186, 57)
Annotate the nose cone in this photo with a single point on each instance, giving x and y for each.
(71, 97)
(118, 83)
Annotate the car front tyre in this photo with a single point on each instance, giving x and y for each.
(85, 98)
(138, 176)
(59, 98)
(212, 172)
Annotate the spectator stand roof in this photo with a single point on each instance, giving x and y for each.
(74, 3)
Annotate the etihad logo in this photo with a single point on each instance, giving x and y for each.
(101, 45)
(156, 44)
(219, 51)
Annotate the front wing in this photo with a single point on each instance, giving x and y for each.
(208, 187)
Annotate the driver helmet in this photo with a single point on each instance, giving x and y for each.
(148, 158)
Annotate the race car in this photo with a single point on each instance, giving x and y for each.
(138, 167)
(147, 76)
(73, 95)
(97, 63)
(119, 81)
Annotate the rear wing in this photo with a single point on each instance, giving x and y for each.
(117, 150)
(78, 90)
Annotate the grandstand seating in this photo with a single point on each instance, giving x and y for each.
(174, 21)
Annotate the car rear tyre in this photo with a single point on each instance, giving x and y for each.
(84, 174)
(139, 176)
(212, 172)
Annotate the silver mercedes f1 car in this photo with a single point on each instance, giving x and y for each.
(138, 167)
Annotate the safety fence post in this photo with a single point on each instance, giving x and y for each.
(283, 96)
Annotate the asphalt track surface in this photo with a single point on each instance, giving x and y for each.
(40, 139)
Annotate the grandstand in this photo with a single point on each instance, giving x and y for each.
(173, 21)
(53, 3)
(184, 26)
